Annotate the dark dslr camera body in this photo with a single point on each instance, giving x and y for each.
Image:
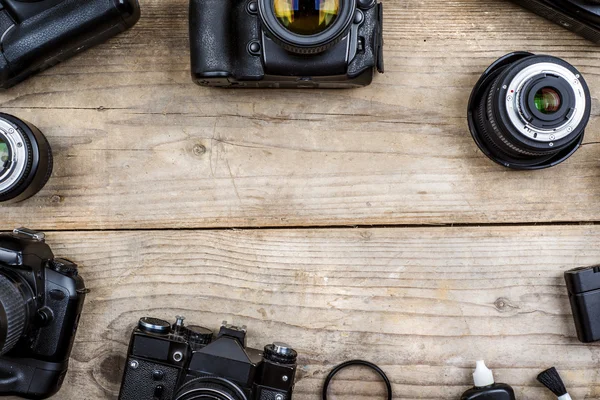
(37, 34)
(40, 303)
(178, 362)
(286, 43)
(579, 16)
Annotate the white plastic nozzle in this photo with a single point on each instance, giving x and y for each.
(483, 376)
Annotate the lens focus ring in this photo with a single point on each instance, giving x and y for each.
(12, 315)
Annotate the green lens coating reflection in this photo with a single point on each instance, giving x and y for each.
(4, 155)
(547, 100)
(306, 17)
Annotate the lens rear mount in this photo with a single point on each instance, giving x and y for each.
(529, 112)
(29, 163)
(307, 44)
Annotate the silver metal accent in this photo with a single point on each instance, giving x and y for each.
(134, 364)
(18, 162)
(285, 378)
(146, 324)
(282, 349)
(177, 356)
(278, 397)
(179, 321)
(39, 236)
(242, 328)
(514, 110)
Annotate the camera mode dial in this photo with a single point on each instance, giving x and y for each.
(198, 336)
(63, 266)
(280, 353)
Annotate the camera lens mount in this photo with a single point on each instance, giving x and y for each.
(210, 387)
(25, 159)
(529, 111)
(301, 27)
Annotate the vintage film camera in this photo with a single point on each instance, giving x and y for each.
(35, 35)
(169, 362)
(579, 16)
(286, 43)
(41, 298)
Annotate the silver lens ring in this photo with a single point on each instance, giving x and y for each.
(18, 147)
(515, 94)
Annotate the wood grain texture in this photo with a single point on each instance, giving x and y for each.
(424, 303)
(138, 145)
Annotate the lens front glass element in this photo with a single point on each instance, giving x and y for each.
(307, 17)
(547, 100)
(4, 155)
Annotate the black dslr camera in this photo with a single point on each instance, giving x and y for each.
(37, 34)
(579, 16)
(185, 363)
(286, 43)
(41, 298)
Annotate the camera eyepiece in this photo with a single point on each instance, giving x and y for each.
(25, 159)
(307, 26)
(529, 111)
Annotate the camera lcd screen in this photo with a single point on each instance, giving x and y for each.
(306, 17)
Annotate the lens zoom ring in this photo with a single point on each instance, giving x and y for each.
(497, 131)
(12, 302)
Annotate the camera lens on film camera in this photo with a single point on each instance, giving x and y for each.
(529, 111)
(307, 26)
(25, 159)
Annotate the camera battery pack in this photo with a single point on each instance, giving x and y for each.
(583, 285)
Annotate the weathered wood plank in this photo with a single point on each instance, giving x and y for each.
(138, 145)
(423, 302)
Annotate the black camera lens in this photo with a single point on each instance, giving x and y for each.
(306, 17)
(209, 387)
(529, 111)
(25, 159)
(307, 26)
(13, 314)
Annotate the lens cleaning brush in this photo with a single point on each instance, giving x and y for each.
(552, 380)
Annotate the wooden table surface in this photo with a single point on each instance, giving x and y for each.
(351, 224)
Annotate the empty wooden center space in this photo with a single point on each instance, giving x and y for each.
(350, 224)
